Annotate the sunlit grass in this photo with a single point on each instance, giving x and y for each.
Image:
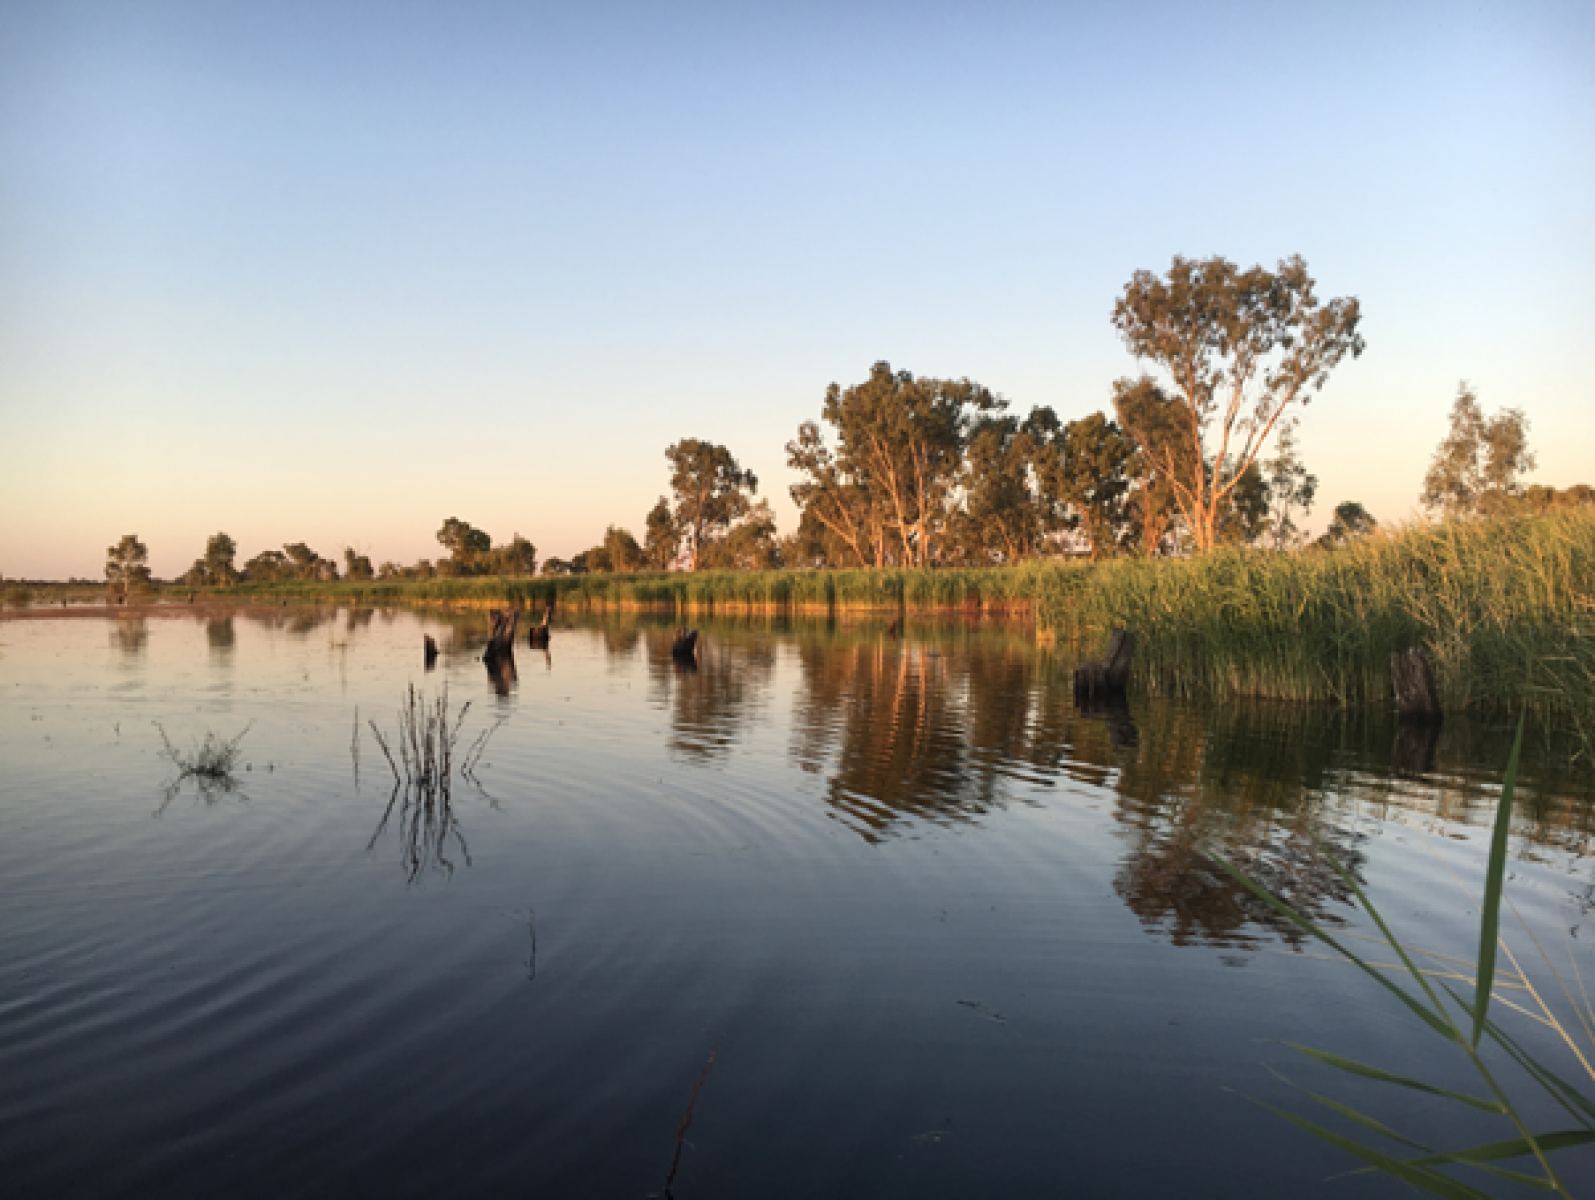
(1505, 610)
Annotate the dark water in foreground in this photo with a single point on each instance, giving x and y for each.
(943, 934)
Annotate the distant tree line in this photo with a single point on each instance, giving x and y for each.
(912, 471)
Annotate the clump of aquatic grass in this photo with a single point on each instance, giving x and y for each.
(211, 759)
(423, 771)
(1464, 1024)
(211, 762)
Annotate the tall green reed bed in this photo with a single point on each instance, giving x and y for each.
(1505, 609)
(702, 591)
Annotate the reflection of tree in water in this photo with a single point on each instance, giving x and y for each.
(297, 622)
(131, 636)
(712, 702)
(302, 622)
(621, 640)
(911, 731)
(220, 637)
(359, 618)
(1248, 783)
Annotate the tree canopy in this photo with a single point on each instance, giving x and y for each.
(711, 491)
(1479, 464)
(127, 564)
(883, 492)
(1239, 348)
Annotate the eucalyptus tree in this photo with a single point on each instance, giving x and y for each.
(1479, 464)
(305, 563)
(661, 540)
(127, 565)
(220, 551)
(1291, 488)
(1240, 347)
(355, 565)
(832, 499)
(465, 544)
(268, 566)
(749, 545)
(1086, 469)
(1159, 449)
(711, 491)
(1005, 515)
(621, 550)
(1351, 521)
(889, 483)
(515, 557)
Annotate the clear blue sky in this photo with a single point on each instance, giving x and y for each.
(333, 273)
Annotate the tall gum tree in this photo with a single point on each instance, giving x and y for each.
(1479, 465)
(711, 492)
(1240, 347)
(900, 451)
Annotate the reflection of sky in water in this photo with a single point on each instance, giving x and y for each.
(906, 883)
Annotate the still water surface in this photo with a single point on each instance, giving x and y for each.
(942, 933)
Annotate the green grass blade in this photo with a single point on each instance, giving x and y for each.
(1419, 1177)
(1374, 1073)
(1516, 1148)
(1368, 1122)
(1577, 1105)
(1435, 1021)
(1412, 968)
(1494, 880)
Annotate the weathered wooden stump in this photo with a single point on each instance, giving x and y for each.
(684, 644)
(501, 673)
(1413, 755)
(1112, 674)
(502, 642)
(1417, 697)
(429, 651)
(1114, 712)
(538, 634)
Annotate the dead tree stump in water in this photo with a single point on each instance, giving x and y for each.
(1417, 697)
(1112, 674)
(684, 644)
(429, 651)
(502, 642)
(1413, 755)
(538, 634)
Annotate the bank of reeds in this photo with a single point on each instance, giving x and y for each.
(988, 588)
(1505, 610)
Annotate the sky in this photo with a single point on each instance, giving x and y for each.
(333, 272)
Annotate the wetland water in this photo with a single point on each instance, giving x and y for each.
(944, 934)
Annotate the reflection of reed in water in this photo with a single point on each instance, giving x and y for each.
(423, 773)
